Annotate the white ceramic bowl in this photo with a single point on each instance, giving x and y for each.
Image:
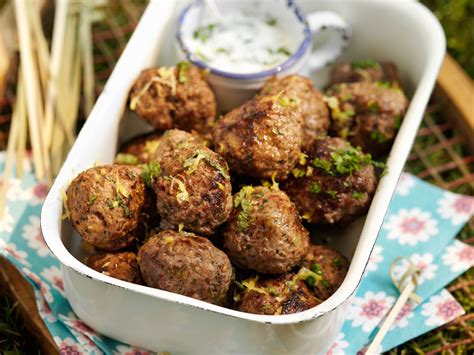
(329, 32)
(402, 31)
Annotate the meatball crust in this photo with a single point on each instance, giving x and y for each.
(186, 264)
(194, 190)
(175, 139)
(364, 70)
(274, 296)
(331, 265)
(335, 183)
(264, 232)
(107, 204)
(142, 147)
(262, 138)
(367, 114)
(177, 97)
(309, 101)
(122, 265)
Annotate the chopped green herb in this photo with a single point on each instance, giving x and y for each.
(271, 21)
(243, 200)
(310, 281)
(349, 113)
(331, 193)
(283, 50)
(378, 136)
(316, 268)
(126, 159)
(358, 195)
(150, 172)
(398, 122)
(315, 188)
(373, 106)
(322, 164)
(92, 199)
(346, 97)
(298, 173)
(204, 32)
(365, 64)
(348, 160)
(383, 84)
(325, 283)
(337, 263)
(182, 68)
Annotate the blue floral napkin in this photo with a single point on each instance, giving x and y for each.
(421, 224)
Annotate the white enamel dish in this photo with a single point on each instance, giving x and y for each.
(402, 31)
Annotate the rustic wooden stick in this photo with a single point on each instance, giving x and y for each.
(28, 70)
(59, 30)
(85, 36)
(23, 132)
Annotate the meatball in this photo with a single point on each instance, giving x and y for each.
(364, 70)
(367, 114)
(187, 264)
(177, 97)
(264, 232)
(140, 150)
(335, 183)
(122, 265)
(174, 139)
(274, 296)
(194, 190)
(309, 101)
(262, 138)
(107, 205)
(330, 265)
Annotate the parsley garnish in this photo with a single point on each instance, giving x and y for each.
(365, 64)
(358, 195)
(126, 159)
(315, 188)
(331, 193)
(337, 263)
(150, 172)
(317, 269)
(182, 68)
(271, 21)
(203, 33)
(373, 106)
(378, 136)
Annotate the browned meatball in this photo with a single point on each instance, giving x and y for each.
(330, 265)
(140, 149)
(123, 265)
(364, 70)
(194, 190)
(187, 264)
(175, 139)
(262, 138)
(335, 183)
(367, 114)
(177, 97)
(264, 232)
(308, 100)
(274, 296)
(106, 205)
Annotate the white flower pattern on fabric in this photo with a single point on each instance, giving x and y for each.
(337, 348)
(368, 311)
(441, 309)
(37, 193)
(32, 233)
(44, 309)
(86, 335)
(15, 191)
(457, 208)
(411, 226)
(376, 258)
(68, 346)
(55, 278)
(423, 261)
(6, 221)
(401, 321)
(405, 184)
(43, 286)
(11, 249)
(458, 256)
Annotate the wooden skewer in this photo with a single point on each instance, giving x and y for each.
(59, 31)
(23, 130)
(31, 87)
(87, 57)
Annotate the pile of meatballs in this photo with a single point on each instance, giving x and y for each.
(220, 209)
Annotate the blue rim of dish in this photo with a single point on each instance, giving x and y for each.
(308, 38)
